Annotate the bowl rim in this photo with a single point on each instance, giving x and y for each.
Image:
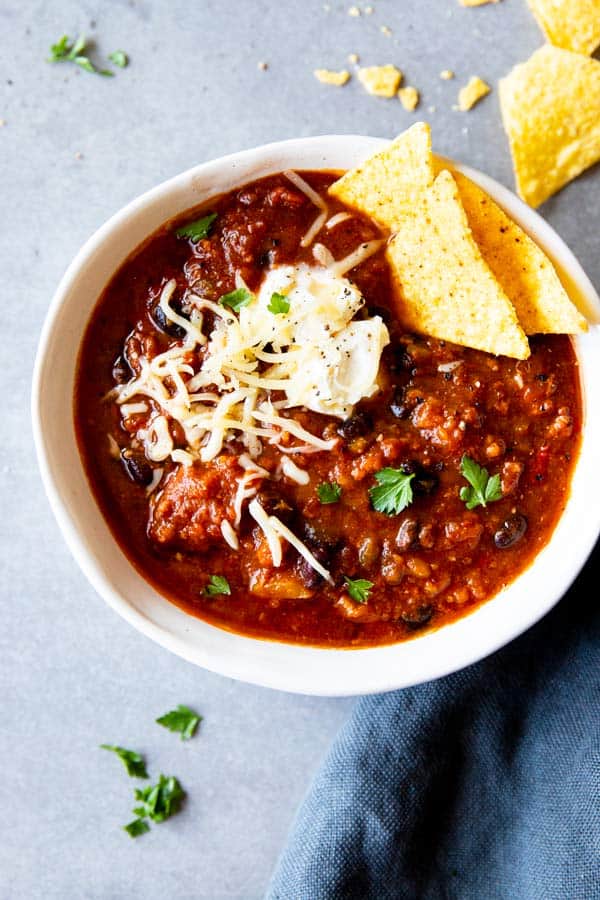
(298, 668)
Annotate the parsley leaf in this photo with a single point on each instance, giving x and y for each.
(65, 51)
(133, 762)
(159, 801)
(278, 304)
(484, 489)
(237, 299)
(137, 827)
(119, 58)
(393, 491)
(198, 229)
(182, 720)
(218, 584)
(329, 492)
(358, 589)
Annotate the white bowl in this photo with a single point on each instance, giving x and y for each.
(285, 666)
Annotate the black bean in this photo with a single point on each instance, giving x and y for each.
(356, 426)
(318, 538)
(137, 467)
(310, 577)
(416, 618)
(161, 321)
(398, 406)
(121, 372)
(274, 505)
(424, 482)
(399, 359)
(407, 534)
(380, 311)
(511, 532)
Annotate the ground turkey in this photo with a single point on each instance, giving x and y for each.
(189, 510)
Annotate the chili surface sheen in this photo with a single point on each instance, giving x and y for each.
(437, 402)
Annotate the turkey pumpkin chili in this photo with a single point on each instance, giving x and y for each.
(279, 455)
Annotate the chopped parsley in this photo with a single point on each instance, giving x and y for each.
(278, 304)
(119, 58)
(483, 488)
(136, 828)
(66, 51)
(182, 720)
(198, 229)
(393, 491)
(329, 492)
(236, 299)
(133, 762)
(159, 801)
(218, 584)
(358, 589)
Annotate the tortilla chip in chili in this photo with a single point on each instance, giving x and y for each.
(570, 24)
(386, 184)
(551, 111)
(523, 270)
(443, 285)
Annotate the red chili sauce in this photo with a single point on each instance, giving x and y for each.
(438, 402)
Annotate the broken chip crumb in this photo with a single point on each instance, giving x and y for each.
(380, 81)
(79, 155)
(409, 98)
(446, 74)
(368, 10)
(354, 11)
(353, 58)
(327, 76)
(476, 2)
(431, 109)
(385, 29)
(263, 66)
(570, 24)
(472, 93)
(550, 111)
(2, 123)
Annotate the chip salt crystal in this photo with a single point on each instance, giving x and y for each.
(380, 81)
(409, 98)
(443, 285)
(472, 93)
(550, 108)
(327, 76)
(570, 24)
(406, 164)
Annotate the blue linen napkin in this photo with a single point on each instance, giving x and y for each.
(484, 785)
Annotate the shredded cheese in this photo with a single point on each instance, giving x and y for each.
(318, 223)
(273, 530)
(294, 472)
(229, 535)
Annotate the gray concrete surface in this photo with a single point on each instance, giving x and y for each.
(73, 149)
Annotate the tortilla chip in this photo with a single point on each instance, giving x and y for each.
(327, 76)
(443, 286)
(570, 24)
(381, 81)
(523, 271)
(409, 98)
(386, 184)
(472, 93)
(550, 107)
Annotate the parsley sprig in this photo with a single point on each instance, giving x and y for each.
(329, 492)
(182, 720)
(218, 584)
(393, 491)
(133, 761)
(358, 589)
(278, 304)
(483, 488)
(236, 299)
(159, 801)
(65, 50)
(198, 229)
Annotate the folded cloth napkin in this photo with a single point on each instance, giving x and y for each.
(482, 785)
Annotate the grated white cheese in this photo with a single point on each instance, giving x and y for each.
(229, 535)
(318, 223)
(294, 472)
(273, 530)
(157, 474)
